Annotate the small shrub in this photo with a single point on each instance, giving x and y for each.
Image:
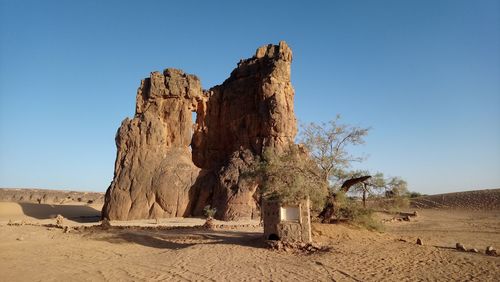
(415, 194)
(288, 176)
(401, 202)
(367, 221)
(209, 212)
(352, 211)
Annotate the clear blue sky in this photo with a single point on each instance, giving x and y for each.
(425, 75)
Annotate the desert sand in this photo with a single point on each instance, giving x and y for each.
(143, 250)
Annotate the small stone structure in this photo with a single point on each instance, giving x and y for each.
(287, 222)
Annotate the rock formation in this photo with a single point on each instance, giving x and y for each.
(166, 166)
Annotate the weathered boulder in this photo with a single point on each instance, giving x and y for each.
(460, 247)
(166, 166)
(235, 196)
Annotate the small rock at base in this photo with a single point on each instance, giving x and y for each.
(473, 250)
(66, 229)
(59, 220)
(491, 251)
(419, 242)
(20, 239)
(460, 247)
(105, 224)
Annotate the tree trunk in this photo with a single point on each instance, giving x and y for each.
(329, 210)
(364, 195)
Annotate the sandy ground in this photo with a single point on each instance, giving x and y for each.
(151, 252)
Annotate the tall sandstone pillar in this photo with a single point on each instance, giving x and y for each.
(166, 166)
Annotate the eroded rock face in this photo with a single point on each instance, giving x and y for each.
(156, 174)
(252, 109)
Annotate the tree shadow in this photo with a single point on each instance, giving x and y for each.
(78, 213)
(445, 247)
(175, 239)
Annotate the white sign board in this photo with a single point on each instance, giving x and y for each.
(290, 213)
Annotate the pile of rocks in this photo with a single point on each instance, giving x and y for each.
(402, 216)
(489, 250)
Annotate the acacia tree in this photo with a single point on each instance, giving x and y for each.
(327, 144)
(397, 186)
(362, 182)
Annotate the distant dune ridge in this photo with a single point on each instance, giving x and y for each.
(488, 199)
(46, 196)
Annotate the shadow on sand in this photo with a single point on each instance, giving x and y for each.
(78, 213)
(176, 239)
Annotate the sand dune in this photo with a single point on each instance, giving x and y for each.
(74, 211)
(488, 199)
(47, 196)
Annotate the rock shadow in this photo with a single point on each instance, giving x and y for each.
(78, 213)
(175, 239)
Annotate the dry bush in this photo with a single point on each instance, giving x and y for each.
(209, 212)
(289, 176)
(351, 211)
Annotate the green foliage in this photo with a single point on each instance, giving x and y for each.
(347, 209)
(365, 219)
(289, 176)
(414, 194)
(209, 212)
(327, 143)
(400, 202)
(378, 181)
(393, 204)
(398, 186)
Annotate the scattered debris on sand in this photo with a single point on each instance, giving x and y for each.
(401, 216)
(297, 247)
